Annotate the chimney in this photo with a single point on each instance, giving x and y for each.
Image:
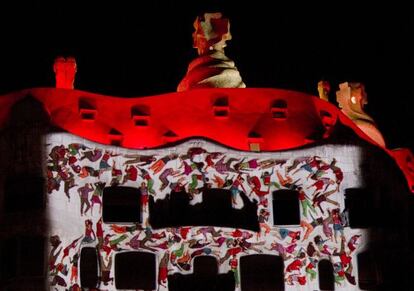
(65, 71)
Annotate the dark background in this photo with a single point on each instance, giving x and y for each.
(143, 48)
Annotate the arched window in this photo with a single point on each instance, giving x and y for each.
(261, 272)
(121, 204)
(88, 266)
(286, 207)
(135, 270)
(326, 275)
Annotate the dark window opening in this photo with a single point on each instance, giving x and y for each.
(326, 275)
(140, 111)
(367, 271)
(115, 137)
(88, 115)
(141, 122)
(286, 207)
(254, 136)
(205, 266)
(359, 206)
(121, 204)
(115, 132)
(221, 107)
(116, 142)
(215, 210)
(261, 272)
(87, 109)
(221, 112)
(222, 102)
(279, 109)
(180, 209)
(24, 194)
(279, 103)
(85, 103)
(135, 270)
(279, 114)
(170, 136)
(89, 267)
(205, 277)
(140, 115)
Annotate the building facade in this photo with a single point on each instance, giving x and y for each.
(205, 189)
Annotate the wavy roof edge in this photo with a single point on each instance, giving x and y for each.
(248, 119)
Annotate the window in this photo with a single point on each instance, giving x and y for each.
(217, 207)
(255, 141)
(115, 137)
(88, 267)
(367, 271)
(221, 107)
(87, 109)
(221, 112)
(205, 276)
(215, 210)
(326, 275)
(135, 270)
(141, 122)
(23, 194)
(205, 266)
(88, 114)
(170, 136)
(181, 213)
(359, 204)
(286, 207)
(279, 109)
(121, 204)
(140, 115)
(261, 272)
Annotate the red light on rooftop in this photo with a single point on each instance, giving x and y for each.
(65, 70)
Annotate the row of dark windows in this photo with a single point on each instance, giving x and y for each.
(215, 210)
(122, 204)
(137, 270)
(24, 256)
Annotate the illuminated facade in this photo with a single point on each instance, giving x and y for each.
(225, 188)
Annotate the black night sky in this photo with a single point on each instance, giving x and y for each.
(139, 49)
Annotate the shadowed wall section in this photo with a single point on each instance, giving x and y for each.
(23, 223)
